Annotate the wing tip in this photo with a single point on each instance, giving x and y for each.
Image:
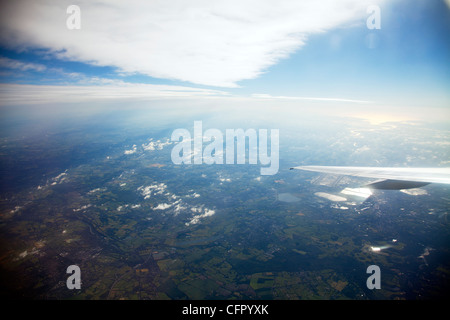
(303, 168)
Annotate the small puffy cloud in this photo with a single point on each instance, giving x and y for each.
(59, 178)
(196, 219)
(97, 190)
(194, 195)
(131, 151)
(82, 208)
(155, 145)
(162, 206)
(148, 191)
(179, 207)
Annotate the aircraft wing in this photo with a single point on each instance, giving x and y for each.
(389, 178)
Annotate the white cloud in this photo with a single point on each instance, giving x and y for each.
(162, 206)
(268, 96)
(12, 94)
(59, 178)
(154, 189)
(155, 145)
(15, 64)
(82, 208)
(97, 190)
(196, 219)
(216, 43)
(179, 208)
(131, 151)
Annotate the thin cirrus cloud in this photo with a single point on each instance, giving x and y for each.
(214, 43)
(101, 89)
(19, 65)
(265, 96)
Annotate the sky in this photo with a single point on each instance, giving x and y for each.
(299, 51)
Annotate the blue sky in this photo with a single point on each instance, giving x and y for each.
(411, 60)
(273, 51)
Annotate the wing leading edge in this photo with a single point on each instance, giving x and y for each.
(389, 178)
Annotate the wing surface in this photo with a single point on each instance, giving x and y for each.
(389, 178)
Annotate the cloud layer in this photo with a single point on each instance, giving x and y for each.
(12, 94)
(216, 43)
